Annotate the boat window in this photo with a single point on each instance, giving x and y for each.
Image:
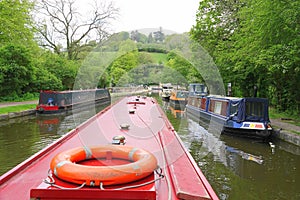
(254, 111)
(200, 88)
(182, 94)
(234, 108)
(203, 103)
(218, 107)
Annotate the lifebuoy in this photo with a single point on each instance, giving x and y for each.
(64, 166)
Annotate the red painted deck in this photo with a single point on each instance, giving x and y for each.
(149, 129)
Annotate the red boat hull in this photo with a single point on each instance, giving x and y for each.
(147, 128)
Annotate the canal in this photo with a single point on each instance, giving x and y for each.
(237, 168)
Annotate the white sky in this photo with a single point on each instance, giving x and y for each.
(175, 15)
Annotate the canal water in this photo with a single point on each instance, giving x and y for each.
(237, 168)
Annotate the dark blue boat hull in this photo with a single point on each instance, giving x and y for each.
(226, 126)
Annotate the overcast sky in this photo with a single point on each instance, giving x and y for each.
(175, 15)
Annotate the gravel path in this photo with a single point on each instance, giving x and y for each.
(285, 125)
(7, 104)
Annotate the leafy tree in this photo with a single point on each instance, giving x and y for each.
(216, 21)
(138, 37)
(145, 58)
(159, 36)
(15, 22)
(150, 38)
(258, 45)
(64, 70)
(45, 80)
(184, 68)
(16, 69)
(123, 64)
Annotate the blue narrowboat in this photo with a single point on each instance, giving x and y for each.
(244, 116)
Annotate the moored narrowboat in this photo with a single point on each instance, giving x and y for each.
(166, 91)
(244, 116)
(52, 102)
(178, 98)
(127, 151)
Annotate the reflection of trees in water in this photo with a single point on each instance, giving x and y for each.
(215, 172)
(234, 165)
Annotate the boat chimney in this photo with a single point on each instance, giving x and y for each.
(229, 92)
(255, 91)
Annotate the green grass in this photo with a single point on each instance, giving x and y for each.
(18, 108)
(159, 57)
(274, 114)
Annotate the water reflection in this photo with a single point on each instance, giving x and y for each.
(177, 113)
(19, 139)
(22, 137)
(241, 168)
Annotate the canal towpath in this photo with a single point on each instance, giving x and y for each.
(7, 104)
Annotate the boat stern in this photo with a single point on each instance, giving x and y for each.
(249, 129)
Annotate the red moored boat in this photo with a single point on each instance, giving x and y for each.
(127, 151)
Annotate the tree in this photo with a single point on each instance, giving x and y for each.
(159, 36)
(216, 21)
(15, 22)
(15, 69)
(257, 46)
(64, 70)
(62, 26)
(150, 38)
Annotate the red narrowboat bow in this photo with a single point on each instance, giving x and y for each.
(127, 151)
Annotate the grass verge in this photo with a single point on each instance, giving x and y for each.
(18, 108)
(274, 114)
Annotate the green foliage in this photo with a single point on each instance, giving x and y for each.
(16, 69)
(13, 97)
(123, 64)
(184, 68)
(138, 37)
(24, 68)
(94, 70)
(254, 43)
(62, 69)
(15, 22)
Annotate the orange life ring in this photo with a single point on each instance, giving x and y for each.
(64, 166)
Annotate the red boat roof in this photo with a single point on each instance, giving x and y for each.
(147, 128)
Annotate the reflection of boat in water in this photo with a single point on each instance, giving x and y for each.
(101, 159)
(51, 102)
(237, 162)
(226, 151)
(177, 113)
(48, 124)
(178, 99)
(243, 116)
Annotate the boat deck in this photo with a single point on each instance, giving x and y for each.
(146, 127)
